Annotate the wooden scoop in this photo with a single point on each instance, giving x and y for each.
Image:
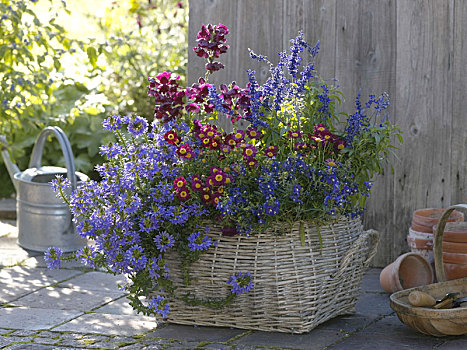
(421, 299)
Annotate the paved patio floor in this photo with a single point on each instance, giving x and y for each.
(74, 308)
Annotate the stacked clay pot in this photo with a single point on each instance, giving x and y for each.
(454, 249)
(420, 237)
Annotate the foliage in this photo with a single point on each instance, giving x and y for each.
(35, 92)
(141, 39)
(164, 184)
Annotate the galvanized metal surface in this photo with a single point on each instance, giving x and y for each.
(44, 219)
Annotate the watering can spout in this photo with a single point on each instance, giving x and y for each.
(11, 167)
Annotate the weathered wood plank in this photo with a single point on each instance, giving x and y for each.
(414, 49)
(215, 12)
(423, 110)
(320, 24)
(459, 113)
(365, 58)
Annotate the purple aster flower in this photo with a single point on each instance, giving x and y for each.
(60, 183)
(86, 255)
(53, 258)
(137, 126)
(113, 123)
(153, 269)
(159, 306)
(199, 241)
(164, 241)
(241, 283)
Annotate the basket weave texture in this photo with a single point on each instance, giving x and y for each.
(295, 287)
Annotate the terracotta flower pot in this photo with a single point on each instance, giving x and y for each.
(419, 228)
(454, 232)
(407, 271)
(430, 216)
(455, 271)
(454, 247)
(454, 258)
(421, 243)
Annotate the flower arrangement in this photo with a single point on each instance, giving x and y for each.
(165, 182)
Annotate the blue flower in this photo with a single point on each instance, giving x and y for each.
(86, 255)
(241, 283)
(53, 257)
(137, 126)
(199, 241)
(295, 196)
(159, 305)
(164, 241)
(113, 123)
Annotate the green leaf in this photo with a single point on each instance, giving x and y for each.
(92, 55)
(57, 64)
(302, 233)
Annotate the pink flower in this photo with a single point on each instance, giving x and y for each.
(179, 183)
(192, 108)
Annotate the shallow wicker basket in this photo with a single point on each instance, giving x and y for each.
(295, 287)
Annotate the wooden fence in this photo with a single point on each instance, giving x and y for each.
(416, 50)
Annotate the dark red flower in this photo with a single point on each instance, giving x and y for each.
(179, 183)
(171, 137)
(183, 194)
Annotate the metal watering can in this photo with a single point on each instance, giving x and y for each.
(43, 219)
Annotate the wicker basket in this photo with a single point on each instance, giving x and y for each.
(295, 287)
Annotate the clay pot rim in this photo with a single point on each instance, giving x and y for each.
(425, 220)
(391, 272)
(419, 234)
(421, 228)
(454, 258)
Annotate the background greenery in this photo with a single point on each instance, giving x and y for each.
(52, 72)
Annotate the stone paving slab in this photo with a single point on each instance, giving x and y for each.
(453, 343)
(38, 261)
(8, 227)
(118, 307)
(38, 277)
(34, 318)
(317, 339)
(96, 281)
(370, 282)
(374, 304)
(200, 333)
(385, 342)
(67, 299)
(109, 324)
(10, 257)
(348, 323)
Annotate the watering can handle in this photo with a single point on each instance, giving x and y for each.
(36, 157)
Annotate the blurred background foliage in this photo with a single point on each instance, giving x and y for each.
(73, 66)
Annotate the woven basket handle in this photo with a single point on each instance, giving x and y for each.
(438, 241)
(367, 244)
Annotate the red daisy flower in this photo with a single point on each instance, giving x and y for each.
(250, 151)
(185, 151)
(239, 135)
(295, 134)
(179, 183)
(196, 185)
(320, 129)
(184, 194)
(252, 163)
(215, 198)
(171, 137)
